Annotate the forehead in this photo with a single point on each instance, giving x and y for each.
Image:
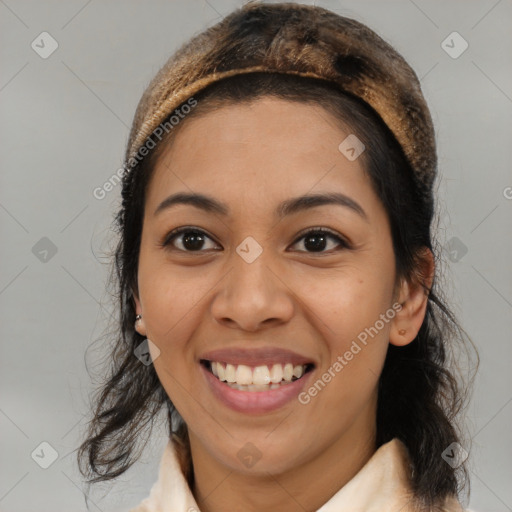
(258, 154)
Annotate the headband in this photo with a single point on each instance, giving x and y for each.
(301, 40)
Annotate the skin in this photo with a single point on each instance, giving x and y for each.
(252, 157)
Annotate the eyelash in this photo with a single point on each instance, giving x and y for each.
(318, 230)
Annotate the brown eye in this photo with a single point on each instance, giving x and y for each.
(316, 240)
(190, 239)
(194, 240)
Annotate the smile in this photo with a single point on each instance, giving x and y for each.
(256, 378)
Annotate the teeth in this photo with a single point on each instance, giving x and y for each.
(260, 378)
(261, 375)
(298, 371)
(243, 375)
(230, 373)
(221, 372)
(276, 374)
(288, 372)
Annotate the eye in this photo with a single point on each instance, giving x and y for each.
(191, 239)
(316, 240)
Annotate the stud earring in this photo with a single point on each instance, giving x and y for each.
(402, 332)
(138, 319)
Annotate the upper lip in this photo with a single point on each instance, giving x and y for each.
(256, 356)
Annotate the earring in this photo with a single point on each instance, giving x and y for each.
(138, 319)
(402, 332)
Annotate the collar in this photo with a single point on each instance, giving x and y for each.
(382, 484)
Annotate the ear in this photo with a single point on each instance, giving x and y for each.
(140, 327)
(413, 298)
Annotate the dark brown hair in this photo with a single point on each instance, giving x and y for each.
(420, 389)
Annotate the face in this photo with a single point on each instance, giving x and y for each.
(253, 286)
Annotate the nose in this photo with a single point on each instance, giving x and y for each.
(253, 296)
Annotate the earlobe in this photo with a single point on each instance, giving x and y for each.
(139, 321)
(413, 299)
(139, 325)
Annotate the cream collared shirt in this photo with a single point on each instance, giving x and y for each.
(380, 486)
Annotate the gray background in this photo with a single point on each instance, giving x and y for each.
(64, 124)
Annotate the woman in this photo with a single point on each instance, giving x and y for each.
(278, 281)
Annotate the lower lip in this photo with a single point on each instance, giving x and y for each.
(255, 402)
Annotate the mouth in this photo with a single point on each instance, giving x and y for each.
(265, 377)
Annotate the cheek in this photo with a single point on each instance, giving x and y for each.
(348, 304)
(171, 307)
(171, 299)
(349, 312)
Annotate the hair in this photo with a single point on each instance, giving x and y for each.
(420, 391)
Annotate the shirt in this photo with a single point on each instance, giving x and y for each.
(381, 485)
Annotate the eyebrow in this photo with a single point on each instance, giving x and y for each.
(287, 207)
